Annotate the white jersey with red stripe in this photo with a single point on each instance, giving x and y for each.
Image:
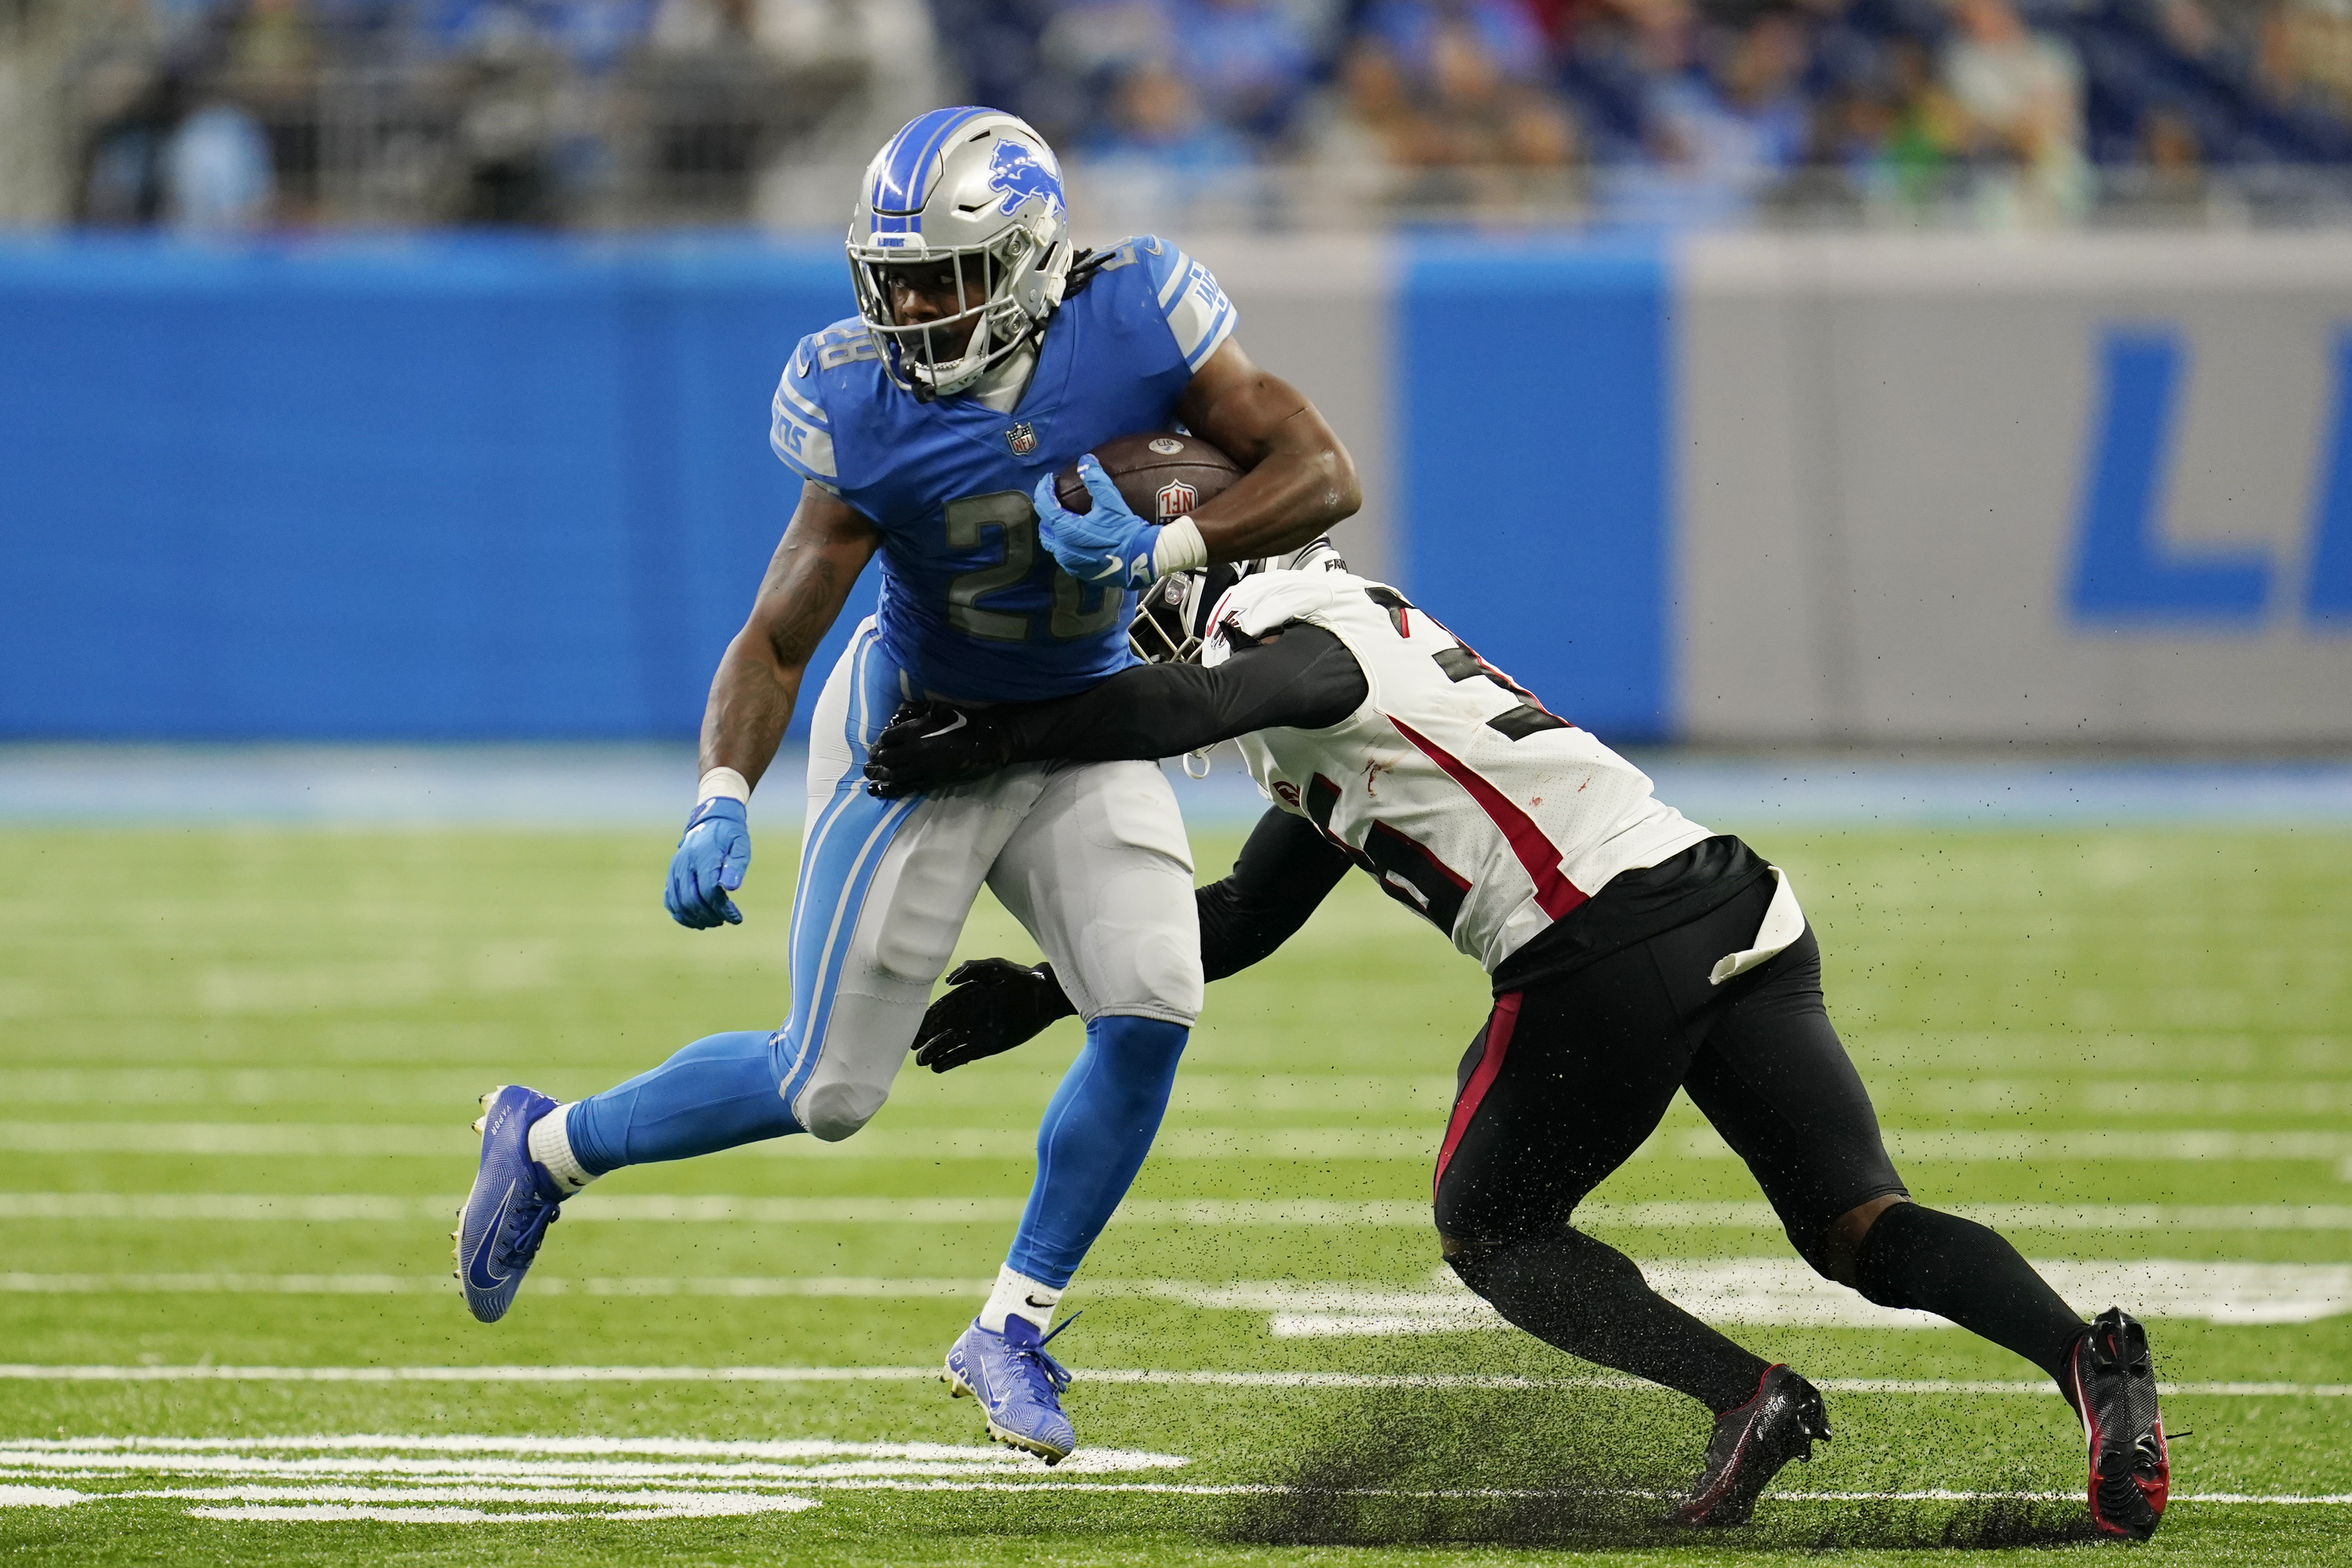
(1453, 786)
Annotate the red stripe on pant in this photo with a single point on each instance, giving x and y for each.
(1499, 1025)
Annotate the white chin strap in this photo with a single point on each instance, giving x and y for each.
(947, 380)
(979, 355)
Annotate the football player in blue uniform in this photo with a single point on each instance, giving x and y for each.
(987, 355)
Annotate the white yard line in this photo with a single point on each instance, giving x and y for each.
(1302, 1213)
(1784, 1291)
(1758, 1291)
(364, 1208)
(2124, 1217)
(1416, 1143)
(31, 1372)
(758, 1448)
(1204, 1094)
(466, 1479)
(437, 1467)
(315, 1504)
(440, 1141)
(540, 1285)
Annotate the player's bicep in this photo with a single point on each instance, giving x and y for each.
(1226, 403)
(825, 546)
(1250, 415)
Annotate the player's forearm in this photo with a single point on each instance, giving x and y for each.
(1142, 714)
(1302, 484)
(759, 679)
(1304, 678)
(1282, 874)
(752, 702)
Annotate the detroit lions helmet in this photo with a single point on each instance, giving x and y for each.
(977, 188)
(1172, 616)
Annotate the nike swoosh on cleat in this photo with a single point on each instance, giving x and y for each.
(478, 1272)
(1034, 1302)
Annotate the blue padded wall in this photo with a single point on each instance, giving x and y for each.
(477, 487)
(1533, 405)
(455, 488)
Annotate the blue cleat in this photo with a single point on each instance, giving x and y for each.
(1018, 1386)
(513, 1202)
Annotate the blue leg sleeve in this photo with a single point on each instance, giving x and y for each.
(715, 1094)
(1094, 1138)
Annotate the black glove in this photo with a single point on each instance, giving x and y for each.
(930, 744)
(996, 1005)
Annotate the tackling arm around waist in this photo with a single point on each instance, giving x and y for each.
(1301, 678)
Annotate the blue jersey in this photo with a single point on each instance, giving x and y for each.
(973, 606)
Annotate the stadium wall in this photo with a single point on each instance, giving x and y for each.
(2072, 489)
(446, 488)
(1747, 490)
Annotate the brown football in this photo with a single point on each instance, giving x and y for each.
(1162, 475)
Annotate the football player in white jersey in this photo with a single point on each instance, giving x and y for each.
(1633, 953)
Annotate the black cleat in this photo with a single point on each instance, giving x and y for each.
(1750, 1445)
(2112, 1384)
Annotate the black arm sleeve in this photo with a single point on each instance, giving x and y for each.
(1303, 678)
(1282, 872)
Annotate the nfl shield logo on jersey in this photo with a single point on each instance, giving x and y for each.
(1022, 438)
(1175, 498)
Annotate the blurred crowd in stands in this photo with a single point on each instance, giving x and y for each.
(229, 114)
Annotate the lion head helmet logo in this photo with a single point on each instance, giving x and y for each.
(1015, 171)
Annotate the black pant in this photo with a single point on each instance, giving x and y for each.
(1569, 1075)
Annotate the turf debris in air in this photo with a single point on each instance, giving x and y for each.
(1576, 1467)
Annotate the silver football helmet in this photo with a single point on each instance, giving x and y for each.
(1173, 617)
(979, 190)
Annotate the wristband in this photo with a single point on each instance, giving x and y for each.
(722, 784)
(1181, 548)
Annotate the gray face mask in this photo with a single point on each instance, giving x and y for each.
(1172, 616)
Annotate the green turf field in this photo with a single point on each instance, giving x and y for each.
(238, 1067)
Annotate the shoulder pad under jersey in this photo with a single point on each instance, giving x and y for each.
(800, 425)
(1183, 291)
(1256, 605)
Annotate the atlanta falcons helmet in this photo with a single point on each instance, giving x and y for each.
(1172, 616)
(978, 189)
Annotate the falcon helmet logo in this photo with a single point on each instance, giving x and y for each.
(1022, 438)
(1175, 498)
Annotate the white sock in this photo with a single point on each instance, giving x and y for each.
(553, 1149)
(1018, 1296)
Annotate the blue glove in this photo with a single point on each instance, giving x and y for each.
(713, 853)
(1109, 544)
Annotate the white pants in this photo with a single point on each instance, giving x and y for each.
(1090, 857)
